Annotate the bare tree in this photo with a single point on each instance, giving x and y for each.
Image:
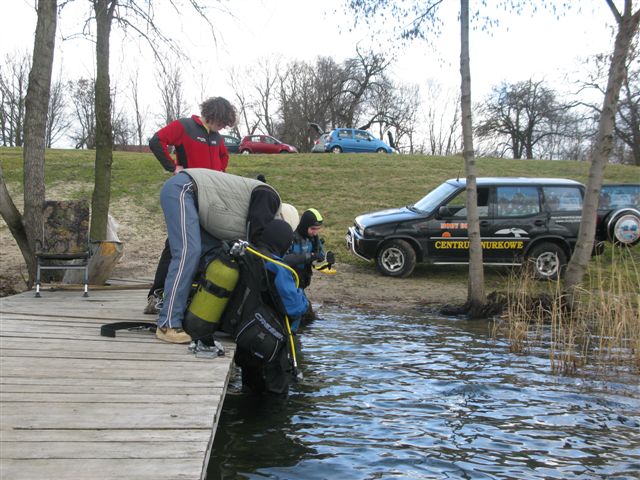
(27, 228)
(476, 297)
(627, 25)
(13, 88)
(171, 88)
(265, 87)
(104, 14)
(123, 131)
(82, 98)
(627, 120)
(395, 107)
(571, 136)
(422, 16)
(443, 120)
(298, 102)
(58, 121)
(244, 104)
(363, 75)
(138, 17)
(140, 114)
(520, 116)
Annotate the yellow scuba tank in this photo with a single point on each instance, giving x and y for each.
(210, 299)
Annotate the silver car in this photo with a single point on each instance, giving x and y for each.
(318, 146)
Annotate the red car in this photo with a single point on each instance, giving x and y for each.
(264, 144)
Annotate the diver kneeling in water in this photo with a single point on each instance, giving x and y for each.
(266, 348)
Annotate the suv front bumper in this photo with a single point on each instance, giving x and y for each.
(364, 249)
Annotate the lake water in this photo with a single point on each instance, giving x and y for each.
(391, 397)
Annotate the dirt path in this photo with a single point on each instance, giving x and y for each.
(353, 286)
(363, 287)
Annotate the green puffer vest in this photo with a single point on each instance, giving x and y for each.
(223, 202)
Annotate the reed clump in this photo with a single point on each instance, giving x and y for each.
(601, 330)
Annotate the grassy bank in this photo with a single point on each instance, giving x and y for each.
(340, 186)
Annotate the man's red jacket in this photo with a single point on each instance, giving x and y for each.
(195, 146)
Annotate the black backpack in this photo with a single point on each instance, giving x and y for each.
(254, 315)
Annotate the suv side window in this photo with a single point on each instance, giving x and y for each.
(458, 204)
(562, 199)
(517, 201)
(618, 196)
(360, 135)
(344, 134)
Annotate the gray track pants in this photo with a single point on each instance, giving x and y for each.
(187, 241)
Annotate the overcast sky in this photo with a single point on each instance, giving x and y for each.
(530, 46)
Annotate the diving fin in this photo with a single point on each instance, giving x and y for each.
(326, 268)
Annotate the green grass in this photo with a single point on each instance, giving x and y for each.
(340, 186)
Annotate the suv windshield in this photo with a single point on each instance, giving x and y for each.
(435, 198)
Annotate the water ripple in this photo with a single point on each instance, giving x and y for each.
(388, 397)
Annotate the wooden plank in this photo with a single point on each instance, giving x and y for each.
(74, 404)
(122, 435)
(98, 449)
(107, 416)
(116, 383)
(100, 344)
(102, 469)
(99, 397)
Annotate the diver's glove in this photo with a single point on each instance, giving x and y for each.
(330, 258)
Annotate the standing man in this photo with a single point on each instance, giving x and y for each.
(198, 144)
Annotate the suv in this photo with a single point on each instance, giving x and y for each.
(352, 140)
(520, 218)
(264, 144)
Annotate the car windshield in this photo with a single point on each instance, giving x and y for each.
(434, 198)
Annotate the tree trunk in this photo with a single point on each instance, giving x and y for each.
(627, 26)
(35, 128)
(476, 296)
(13, 219)
(104, 134)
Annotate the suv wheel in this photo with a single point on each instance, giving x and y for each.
(245, 152)
(548, 260)
(336, 149)
(381, 150)
(396, 258)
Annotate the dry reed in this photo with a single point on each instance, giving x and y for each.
(602, 330)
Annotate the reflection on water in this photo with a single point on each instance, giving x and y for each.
(387, 397)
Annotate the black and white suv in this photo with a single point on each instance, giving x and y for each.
(521, 219)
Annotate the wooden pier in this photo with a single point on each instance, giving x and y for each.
(76, 405)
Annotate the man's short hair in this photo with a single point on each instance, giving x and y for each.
(218, 109)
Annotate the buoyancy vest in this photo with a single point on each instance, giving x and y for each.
(255, 316)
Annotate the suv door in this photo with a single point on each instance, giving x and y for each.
(564, 207)
(517, 219)
(448, 237)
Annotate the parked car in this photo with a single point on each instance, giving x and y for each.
(319, 144)
(232, 143)
(521, 219)
(352, 140)
(264, 144)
